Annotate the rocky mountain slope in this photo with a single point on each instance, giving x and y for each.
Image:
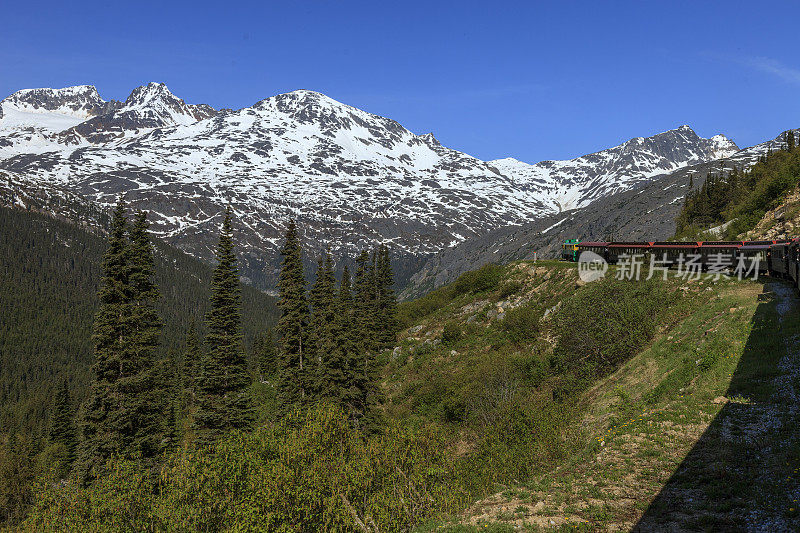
(578, 182)
(645, 212)
(782, 222)
(349, 177)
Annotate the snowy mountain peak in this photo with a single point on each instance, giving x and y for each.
(150, 94)
(580, 181)
(80, 100)
(722, 146)
(157, 100)
(430, 140)
(33, 117)
(148, 106)
(301, 99)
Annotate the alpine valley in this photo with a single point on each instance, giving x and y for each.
(349, 178)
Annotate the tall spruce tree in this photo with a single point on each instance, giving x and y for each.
(266, 355)
(330, 369)
(364, 300)
(171, 437)
(293, 363)
(348, 345)
(123, 412)
(142, 385)
(62, 430)
(104, 422)
(224, 401)
(387, 325)
(365, 378)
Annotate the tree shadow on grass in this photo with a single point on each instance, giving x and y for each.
(739, 475)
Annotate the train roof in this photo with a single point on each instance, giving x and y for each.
(629, 244)
(675, 244)
(593, 243)
(721, 243)
(754, 247)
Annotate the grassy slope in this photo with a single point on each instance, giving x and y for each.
(430, 379)
(679, 426)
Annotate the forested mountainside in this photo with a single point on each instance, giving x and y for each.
(49, 275)
(647, 212)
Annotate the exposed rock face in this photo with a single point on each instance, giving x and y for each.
(349, 177)
(783, 222)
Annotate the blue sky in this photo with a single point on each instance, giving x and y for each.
(531, 80)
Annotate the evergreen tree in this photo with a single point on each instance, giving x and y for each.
(363, 301)
(224, 401)
(141, 385)
(790, 143)
(293, 371)
(345, 295)
(330, 369)
(366, 393)
(104, 420)
(348, 345)
(62, 430)
(170, 440)
(191, 363)
(387, 325)
(266, 355)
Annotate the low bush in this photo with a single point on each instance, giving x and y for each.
(708, 361)
(309, 472)
(451, 333)
(603, 325)
(522, 323)
(509, 288)
(485, 278)
(409, 313)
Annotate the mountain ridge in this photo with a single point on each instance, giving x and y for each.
(350, 178)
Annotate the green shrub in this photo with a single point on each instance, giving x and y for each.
(409, 313)
(451, 333)
(510, 287)
(604, 324)
(309, 472)
(709, 360)
(522, 323)
(485, 278)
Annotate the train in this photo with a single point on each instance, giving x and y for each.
(775, 258)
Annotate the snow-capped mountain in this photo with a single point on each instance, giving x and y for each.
(349, 177)
(578, 182)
